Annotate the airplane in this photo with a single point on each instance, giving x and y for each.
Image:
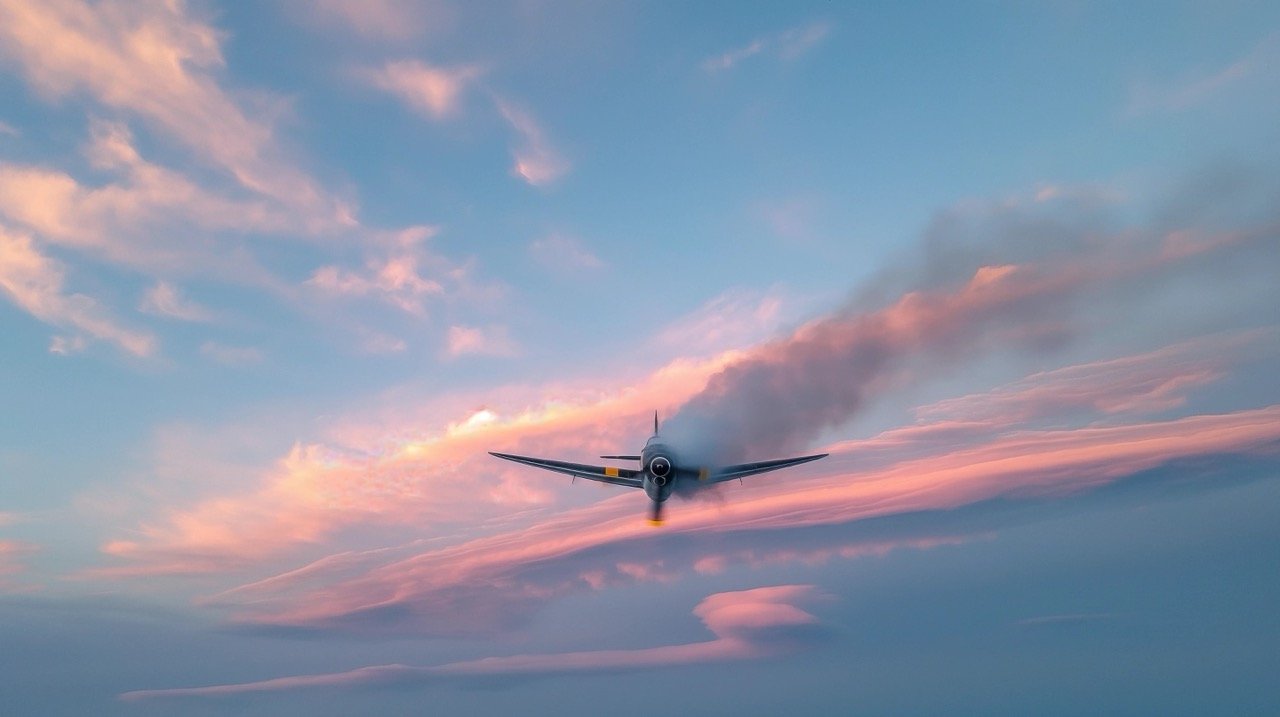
(659, 470)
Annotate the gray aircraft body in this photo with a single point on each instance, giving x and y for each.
(660, 470)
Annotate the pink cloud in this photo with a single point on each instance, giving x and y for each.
(12, 553)
(154, 60)
(380, 20)
(477, 341)
(390, 474)
(448, 590)
(536, 161)
(747, 624)
(165, 299)
(142, 219)
(431, 91)
(34, 283)
(1146, 383)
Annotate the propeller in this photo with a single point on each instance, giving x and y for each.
(655, 513)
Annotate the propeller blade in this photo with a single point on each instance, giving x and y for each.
(655, 513)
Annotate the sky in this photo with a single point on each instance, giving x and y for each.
(275, 277)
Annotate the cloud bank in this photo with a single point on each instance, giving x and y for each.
(747, 624)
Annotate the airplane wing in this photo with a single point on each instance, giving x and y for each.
(742, 470)
(604, 474)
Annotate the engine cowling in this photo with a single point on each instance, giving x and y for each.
(660, 470)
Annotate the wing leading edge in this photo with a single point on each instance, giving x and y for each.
(604, 474)
(742, 470)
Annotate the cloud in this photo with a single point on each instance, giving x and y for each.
(1145, 383)
(401, 270)
(431, 91)
(787, 45)
(448, 590)
(1201, 87)
(562, 253)
(382, 20)
(747, 624)
(164, 299)
(34, 283)
(476, 341)
(155, 61)
(12, 553)
(536, 161)
(9, 130)
(429, 467)
(735, 318)
(142, 219)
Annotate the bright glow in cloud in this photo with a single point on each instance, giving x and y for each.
(747, 624)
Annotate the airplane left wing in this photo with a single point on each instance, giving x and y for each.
(604, 474)
(749, 469)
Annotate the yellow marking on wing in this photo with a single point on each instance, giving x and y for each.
(704, 473)
(611, 471)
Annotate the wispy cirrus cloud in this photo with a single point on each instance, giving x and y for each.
(536, 161)
(131, 220)
(165, 299)
(786, 45)
(478, 341)
(35, 283)
(380, 20)
(561, 252)
(158, 62)
(431, 91)
(1145, 383)
(747, 624)
(1204, 85)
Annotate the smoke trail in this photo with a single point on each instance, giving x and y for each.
(788, 390)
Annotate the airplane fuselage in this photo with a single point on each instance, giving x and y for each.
(658, 462)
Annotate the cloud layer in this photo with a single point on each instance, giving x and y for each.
(747, 624)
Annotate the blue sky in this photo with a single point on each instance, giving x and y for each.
(275, 277)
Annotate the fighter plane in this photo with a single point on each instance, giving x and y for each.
(660, 471)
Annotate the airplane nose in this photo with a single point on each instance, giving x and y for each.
(660, 467)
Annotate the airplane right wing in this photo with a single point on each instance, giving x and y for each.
(604, 474)
(742, 470)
